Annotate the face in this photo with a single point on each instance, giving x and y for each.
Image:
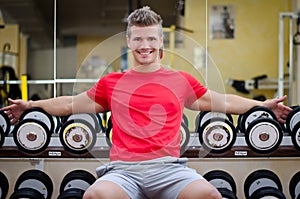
(144, 43)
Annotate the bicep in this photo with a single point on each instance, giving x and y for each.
(82, 103)
(210, 101)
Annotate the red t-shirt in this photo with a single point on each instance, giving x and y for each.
(146, 111)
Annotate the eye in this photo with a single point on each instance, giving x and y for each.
(152, 39)
(137, 39)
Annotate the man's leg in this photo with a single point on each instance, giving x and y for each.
(105, 190)
(199, 189)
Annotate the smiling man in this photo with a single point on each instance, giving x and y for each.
(146, 103)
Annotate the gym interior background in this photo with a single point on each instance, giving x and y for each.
(51, 45)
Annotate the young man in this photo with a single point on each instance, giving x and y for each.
(147, 103)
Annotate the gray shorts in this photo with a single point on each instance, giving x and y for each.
(160, 178)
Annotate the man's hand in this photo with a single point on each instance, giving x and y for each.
(15, 109)
(281, 111)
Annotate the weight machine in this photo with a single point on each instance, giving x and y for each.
(290, 80)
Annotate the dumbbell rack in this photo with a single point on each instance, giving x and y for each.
(101, 149)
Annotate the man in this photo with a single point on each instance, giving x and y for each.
(147, 103)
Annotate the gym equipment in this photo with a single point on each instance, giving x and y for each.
(89, 117)
(221, 179)
(71, 194)
(75, 183)
(253, 114)
(32, 182)
(267, 192)
(26, 193)
(4, 185)
(4, 123)
(294, 186)
(185, 120)
(31, 136)
(39, 114)
(77, 136)
(261, 179)
(203, 116)
(108, 132)
(217, 133)
(227, 193)
(2, 137)
(293, 126)
(184, 137)
(293, 118)
(263, 133)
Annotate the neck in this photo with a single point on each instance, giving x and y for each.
(147, 68)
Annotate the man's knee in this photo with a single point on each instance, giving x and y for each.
(105, 190)
(200, 189)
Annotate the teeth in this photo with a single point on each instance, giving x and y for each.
(147, 53)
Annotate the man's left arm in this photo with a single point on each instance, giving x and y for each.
(234, 104)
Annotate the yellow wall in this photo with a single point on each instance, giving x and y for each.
(254, 50)
(10, 34)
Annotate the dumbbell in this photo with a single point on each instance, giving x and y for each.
(294, 186)
(262, 183)
(4, 123)
(33, 133)
(4, 127)
(40, 115)
(33, 184)
(75, 183)
(293, 126)
(263, 133)
(77, 136)
(227, 194)
(217, 133)
(89, 117)
(223, 181)
(4, 185)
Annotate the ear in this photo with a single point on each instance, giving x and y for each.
(161, 52)
(128, 41)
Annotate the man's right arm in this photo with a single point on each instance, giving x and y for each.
(60, 106)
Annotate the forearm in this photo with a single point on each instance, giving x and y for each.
(60, 106)
(235, 104)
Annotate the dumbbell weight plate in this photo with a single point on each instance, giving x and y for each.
(217, 135)
(294, 186)
(203, 116)
(35, 179)
(227, 194)
(255, 113)
(267, 193)
(292, 119)
(4, 123)
(90, 118)
(77, 179)
(24, 193)
(31, 136)
(295, 136)
(263, 135)
(41, 115)
(221, 179)
(72, 193)
(261, 178)
(184, 137)
(2, 138)
(77, 136)
(4, 185)
(185, 119)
